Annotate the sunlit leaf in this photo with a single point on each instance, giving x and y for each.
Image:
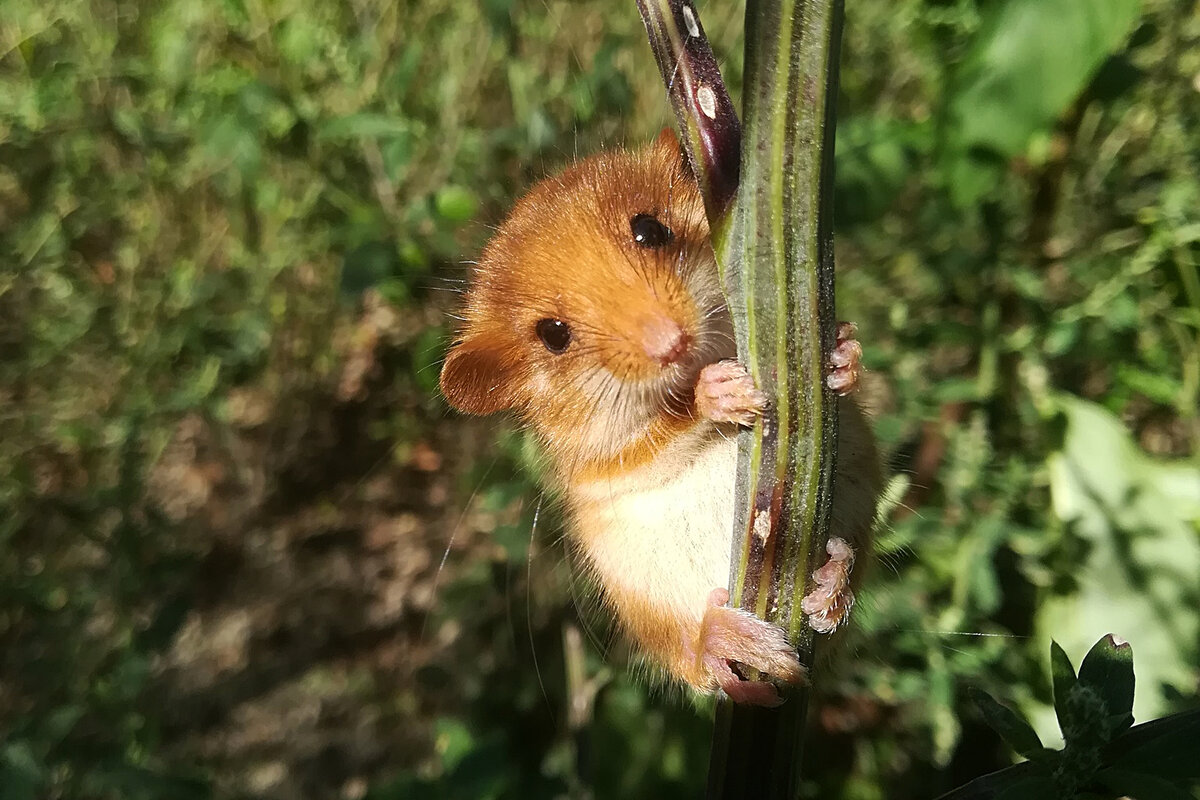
(1063, 676)
(1031, 59)
(456, 203)
(453, 742)
(1137, 515)
(1108, 668)
(364, 125)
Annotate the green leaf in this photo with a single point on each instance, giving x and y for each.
(61, 721)
(233, 139)
(1166, 747)
(1143, 786)
(453, 742)
(1036, 787)
(1156, 386)
(1108, 668)
(1032, 58)
(1063, 676)
(364, 125)
(455, 203)
(957, 390)
(1011, 726)
(21, 773)
(1135, 515)
(427, 358)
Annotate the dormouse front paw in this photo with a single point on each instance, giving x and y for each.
(845, 362)
(725, 392)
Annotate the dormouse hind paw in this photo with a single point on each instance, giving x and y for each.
(731, 636)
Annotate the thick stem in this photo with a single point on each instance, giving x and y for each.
(773, 238)
(782, 302)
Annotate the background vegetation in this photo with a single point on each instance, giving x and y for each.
(246, 552)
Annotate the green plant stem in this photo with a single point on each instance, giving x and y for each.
(782, 303)
(773, 241)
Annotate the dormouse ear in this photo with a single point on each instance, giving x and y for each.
(667, 142)
(477, 378)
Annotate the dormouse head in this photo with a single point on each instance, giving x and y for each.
(595, 305)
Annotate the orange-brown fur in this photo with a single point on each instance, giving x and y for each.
(647, 483)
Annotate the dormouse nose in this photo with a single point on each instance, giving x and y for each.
(664, 340)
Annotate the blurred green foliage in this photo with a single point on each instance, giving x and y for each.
(202, 207)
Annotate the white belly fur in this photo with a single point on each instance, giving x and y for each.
(663, 532)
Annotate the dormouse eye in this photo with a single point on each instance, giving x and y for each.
(555, 334)
(648, 232)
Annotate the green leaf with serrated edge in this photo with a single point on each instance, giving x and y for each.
(1166, 747)
(1011, 726)
(1038, 787)
(1063, 676)
(1143, 786)
(1108, 668)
